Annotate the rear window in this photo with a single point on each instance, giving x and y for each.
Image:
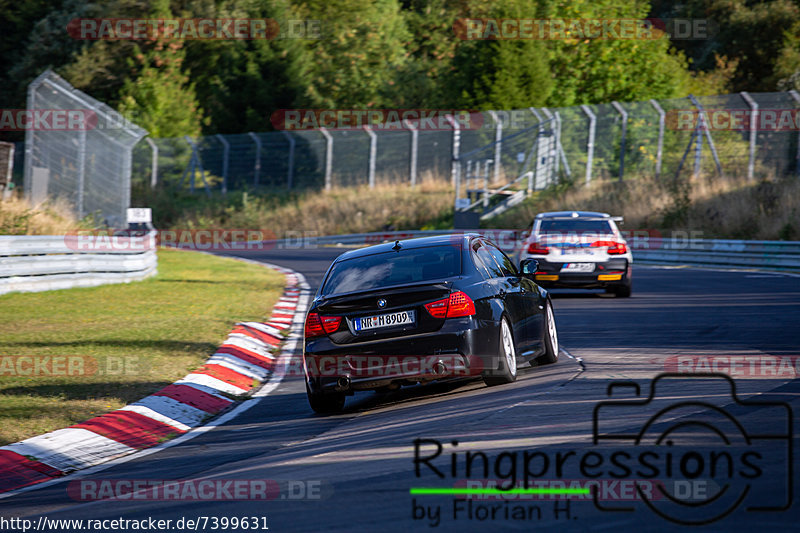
(393, 268)
(574, 226)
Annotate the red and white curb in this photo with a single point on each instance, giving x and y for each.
(254, 354)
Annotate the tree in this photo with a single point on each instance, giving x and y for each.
(160, 98)
(361, 49)
(158, 95)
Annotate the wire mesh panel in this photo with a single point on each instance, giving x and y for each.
(78, 149)
(611, 141)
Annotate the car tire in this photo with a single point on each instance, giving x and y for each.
(550, 338)
(325, 404)
(507, 372)
(622, 291)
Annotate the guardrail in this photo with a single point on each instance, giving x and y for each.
(767, 255)
(42, 263)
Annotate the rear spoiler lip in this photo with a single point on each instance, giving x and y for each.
(444, 284)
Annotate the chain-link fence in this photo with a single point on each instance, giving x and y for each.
(497, 154)
(77, 149)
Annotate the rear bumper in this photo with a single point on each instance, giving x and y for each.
(463, 347)
(613, 272)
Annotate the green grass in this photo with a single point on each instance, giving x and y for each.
(136, 338)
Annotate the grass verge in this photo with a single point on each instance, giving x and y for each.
(120, 342)
(334, 212)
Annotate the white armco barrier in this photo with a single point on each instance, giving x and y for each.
(42, 263)
(766, 255)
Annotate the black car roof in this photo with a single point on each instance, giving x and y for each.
(573, 214)
(409, 244)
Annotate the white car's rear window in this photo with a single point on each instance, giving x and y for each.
(574, 226)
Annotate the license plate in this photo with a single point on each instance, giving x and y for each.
(576, 251)
(578, 267)
(383, 321)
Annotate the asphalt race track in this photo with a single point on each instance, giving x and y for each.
(353, 472)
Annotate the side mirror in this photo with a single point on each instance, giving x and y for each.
(528, 267)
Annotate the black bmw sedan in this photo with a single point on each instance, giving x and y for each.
(420, 310)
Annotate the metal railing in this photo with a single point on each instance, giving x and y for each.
(42, 263)
(720, 253)
(613, 141)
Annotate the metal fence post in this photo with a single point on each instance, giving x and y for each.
(373, 152)
(28, 170)
(81, 170)
(414, 146)
(796, 96)
(590, 143)
(660, 149)
(498, 146)
(753, 123)
(707, 132)
(290, 171)
(328, 157)
(534, 176)
(560, 147)
(257, 166)
(486, 182)
(455, 166)
(196, 162)
(553, 151)
(226, 150)
(153, 162)
(624, 115)
(698, 146)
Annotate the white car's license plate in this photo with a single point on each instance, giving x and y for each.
(578, 267)
(383, 321)
(576, 251)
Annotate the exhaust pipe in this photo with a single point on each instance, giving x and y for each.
(439, 368)
(343, 383)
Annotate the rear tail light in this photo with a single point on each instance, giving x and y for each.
(331, 323)
(538, 249)
(316, 325)
(313, 325)
(614, 248)
(438, 309)
(458, 304)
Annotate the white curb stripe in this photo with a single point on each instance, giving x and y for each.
(70, 448)
(248, 343)
(265, 328)
(266, 346)
(178, 412)
(203, 388)
(239, 366)
(214, 383)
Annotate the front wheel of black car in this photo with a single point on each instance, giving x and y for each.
(325, 404)
(507, 373)
(550, 337)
